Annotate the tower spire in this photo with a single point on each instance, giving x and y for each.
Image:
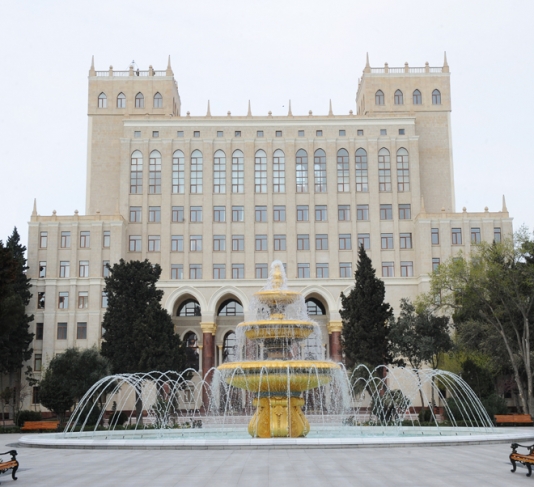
(445, 63)
(34, 212)
(367, 65)
(330, 112)
(249, 112)
(169, 69)
(289, 112)
(208, 113)
(92, 71)
(504, 209)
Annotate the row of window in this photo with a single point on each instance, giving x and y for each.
(84, 242)
(398, 97)
(64, 268)
(278, 166)
(63, 301)
(139, 100)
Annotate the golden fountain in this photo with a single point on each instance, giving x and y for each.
(282, 374)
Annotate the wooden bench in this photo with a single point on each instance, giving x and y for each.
(39, 425)
(12, 464)
(513, 419)
(526, 459)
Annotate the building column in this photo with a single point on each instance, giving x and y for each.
(208, 356)
(334, 335)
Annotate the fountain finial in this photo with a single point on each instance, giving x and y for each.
(278, 278)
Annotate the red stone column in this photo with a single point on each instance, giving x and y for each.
(208, 357)
(334, 332)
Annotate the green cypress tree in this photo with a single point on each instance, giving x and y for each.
(365, 318)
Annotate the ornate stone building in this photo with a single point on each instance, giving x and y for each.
(215, 199)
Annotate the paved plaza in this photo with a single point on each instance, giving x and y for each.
(469, 465)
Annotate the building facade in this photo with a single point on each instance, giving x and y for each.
(215, 199)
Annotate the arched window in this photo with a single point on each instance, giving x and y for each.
(139, 100)
(399, 98)
(121, 100)
(279, 172)
(229, 347)
(417, 98)
(219, 172)
(196, 172)
(260, 172)
(154, 173)
(379, 97)
(230, 307)
(189, 307)
(302, 171)
(319, 171)
(178, 172)
(136, 173)
(158, 101)
(384, 170)
(403, 170)
(102, 100)
(343, 184)
(314, 307)
(362, 178)
(436, 97)
(191, 350)
(238, 172)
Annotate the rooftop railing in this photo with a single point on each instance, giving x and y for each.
(114, 73)
(407, 69)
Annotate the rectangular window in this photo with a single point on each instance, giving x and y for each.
(359, 132)
(435, 264)
(135, 243)
(105, 268)
(104, 300)
(343, 213)
(154, 243)
(85, 240)
(342, 133)
(195, 271)
(177, 243)
(457, 236)
(83, 270)
(303, 242)
(365, 240)
(196, 133)
(383, 132)
(42, 268)
(180, 133)
(64, 268)
(345, 242)
(318, 133)
(302, 213)
(405, 212)
(238, 271)
(303, 271)
(238, 214)
(405, 240)
(178, 214)
(219, 243)
(35, 395)
(62, 331)
(219, 271)
(435, 236)
(106, 239)
(177, 271)
(65, 240)
(402, 132)
(219, 213)
(386, 212)
(322, 271)
(345, 269)
(497, 234)
(261, 271)
(388, 269)
(81, 331)
(63, 300)
(135, 214)
(406, 269)
(195, 243)
(238, 243)
(278, 133)
(237, 133)
(261, 243)
(386, 241)
(321, 242)
(41, 300)
(259, 133)
(362, 212)
(320, 213)
(475, 235)
(37, 362)
(39, 331)
(43, 240)
(279, 214)
(301, 133)
(261, 213)
(137, 134)
(220, 133)
(154, 214)
(155, 134)
(196, 214)
(279, 242)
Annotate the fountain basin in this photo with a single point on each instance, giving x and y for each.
(273, 297)
(273, 329)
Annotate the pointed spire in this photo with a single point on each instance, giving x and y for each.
(249, 113)
(34, 212)
(92, 71)
(169, 69)
(208, 113)
(289, 112)
(445, 63)
(504, 209)
(367, 65)
(330, 112)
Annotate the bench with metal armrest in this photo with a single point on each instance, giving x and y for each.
(12, 464)
(527, 459)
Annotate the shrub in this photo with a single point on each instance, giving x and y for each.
(27, 415)
(91, 415)
(118, 419)
(425, 415)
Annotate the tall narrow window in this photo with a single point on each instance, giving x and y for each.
(154, 214)
(64, 268)
(497, 235)
(219, 172)
(83, 300)
(136, 173)
(65, 240)
(121, 100)
(177, 243)
(279, 172)
(302, 171)
(238, 172)
(319, 171)
(436, 97)
(154, 173)
(399, 98)
(403, 170)
(178, 172)
(379, 97)
(106, 239)
(135, 243)
(196, 172)
(219, 271)
(343, 185)
(384, 170)
(362, 178)
(417, 98)
(457, 236)
(102, 100)
(158, 101)
(43, 240)
(177, 214)
(139, 100)
(42, 268)
(83, 269)
(260, 172)
(85, 240)
(475, 236)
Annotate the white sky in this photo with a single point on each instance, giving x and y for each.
(266, 51)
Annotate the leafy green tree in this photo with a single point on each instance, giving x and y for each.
(365, 318)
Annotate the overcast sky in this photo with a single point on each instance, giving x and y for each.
(270, 51)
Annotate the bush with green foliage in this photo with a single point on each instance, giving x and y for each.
(27, 415)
